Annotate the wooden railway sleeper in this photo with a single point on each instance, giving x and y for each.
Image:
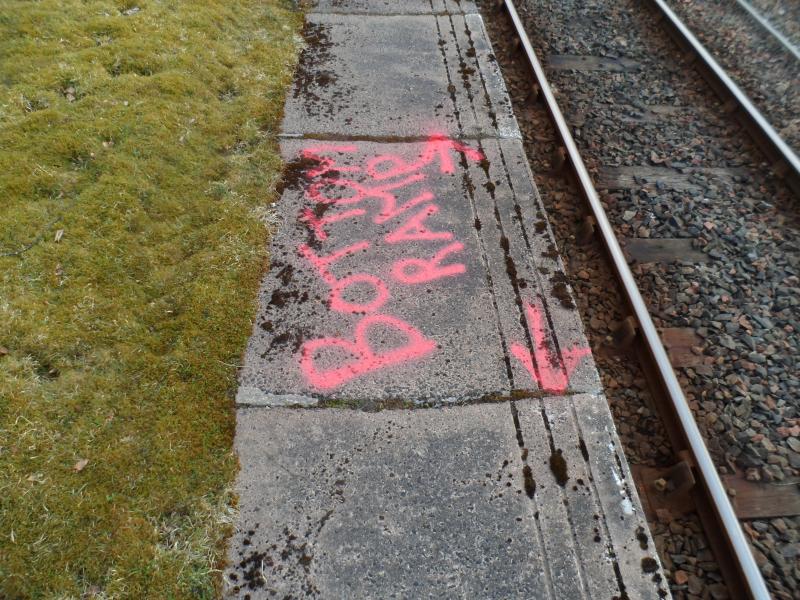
(534, 95)
(625, 333)
(558, 159)
(586, 229)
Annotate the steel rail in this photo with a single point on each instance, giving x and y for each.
(780, 149)
(710, 478)
(770, 28)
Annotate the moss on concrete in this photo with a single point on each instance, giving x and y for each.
(142, 135)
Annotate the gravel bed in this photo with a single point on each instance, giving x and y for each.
(743, 303)
(756, 61)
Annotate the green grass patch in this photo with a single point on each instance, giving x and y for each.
(143, 135)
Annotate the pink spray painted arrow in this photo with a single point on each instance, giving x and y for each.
(553, 375)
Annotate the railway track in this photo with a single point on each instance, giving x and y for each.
(784, 161)
(758, 44)
(694, 476)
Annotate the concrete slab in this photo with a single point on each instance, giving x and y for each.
(582, 478)
(418, 272)
(393, 7)
(437, 503)
(398, 76)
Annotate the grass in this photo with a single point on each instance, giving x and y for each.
(137, 151)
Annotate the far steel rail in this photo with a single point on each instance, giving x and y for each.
(710, 480)
(787, 163)
(761, 20)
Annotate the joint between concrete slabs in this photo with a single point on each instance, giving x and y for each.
(390, 8)
(344, 13)
(253, 397)
(399, 139)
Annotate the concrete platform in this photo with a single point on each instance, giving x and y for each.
(413, 266)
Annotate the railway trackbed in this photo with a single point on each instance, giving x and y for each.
(783, 159)
(698, 366)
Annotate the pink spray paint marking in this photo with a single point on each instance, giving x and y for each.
(339, 304)
(414, 229)
(316, 195)
(417, 270)
(321, 263)
(331, 188)
(363, 357)
(338, 286)
(317, 224)
(389, 213)
(327, 164)
(389, 201)
(553, 376)
(383, 193)
(438, 147)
